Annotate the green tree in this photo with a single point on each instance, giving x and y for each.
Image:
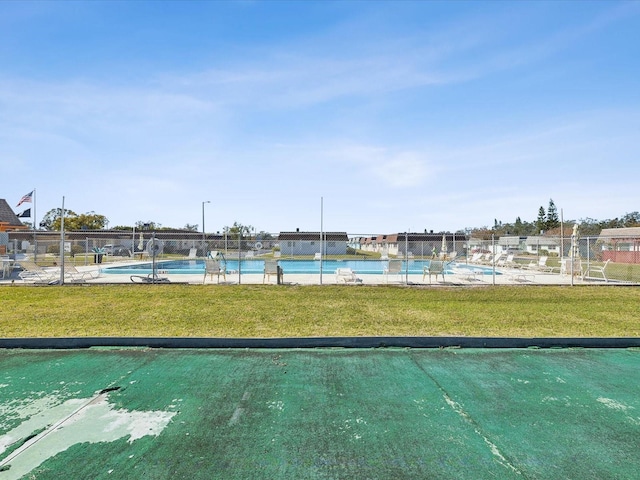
(148, 225)
(72, 221)
(517, 227)
(238, 230)
(552, 220)
(631, 219)
(482, 233)
(541, 222)
(49, 220)
(84, 221)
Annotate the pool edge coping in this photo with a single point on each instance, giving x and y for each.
(318, 342)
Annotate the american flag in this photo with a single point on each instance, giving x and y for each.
(25, 198)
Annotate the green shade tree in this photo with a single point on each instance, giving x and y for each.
(52, 220)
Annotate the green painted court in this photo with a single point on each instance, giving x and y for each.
(325, 413)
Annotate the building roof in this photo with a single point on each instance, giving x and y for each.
(8, 217)
(625, 232)
(422, 237)
(329, 236)
(510, 241)
(539, 240)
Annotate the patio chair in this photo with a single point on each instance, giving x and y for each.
(394, 267)
(435, 267)
(32, 272)
(509, 262)
(502, 262)
(73, 275)
(600, 269)
(495, 260)
(270, 268)
(346, 275)
(317, 256)
(213, 267)
(476, 257)
(192, 253)
(150, 278)
(487, 259)
(7, 265)
(540, 265)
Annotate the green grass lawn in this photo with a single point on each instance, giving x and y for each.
(285, 311)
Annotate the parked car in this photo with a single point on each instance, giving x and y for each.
(117, 250)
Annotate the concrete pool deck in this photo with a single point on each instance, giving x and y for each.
(505, 276)
(122, 413)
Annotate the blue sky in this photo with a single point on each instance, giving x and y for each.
(400, 115)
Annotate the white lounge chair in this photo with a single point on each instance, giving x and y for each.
(495, 260)
(317, 256)
(540, 265)
(599, 269)
(509, 262)
(486, 259)
(502, 261)
(346, 275)
(476, 257)
(73, 275)
(32, 272)
(192, 253)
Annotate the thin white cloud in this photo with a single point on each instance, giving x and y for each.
(383, 118)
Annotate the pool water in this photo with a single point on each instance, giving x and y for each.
(364, 267)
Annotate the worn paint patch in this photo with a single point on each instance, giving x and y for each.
(608, 402)
(75, 421)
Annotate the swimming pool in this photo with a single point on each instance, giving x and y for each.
(363, 267)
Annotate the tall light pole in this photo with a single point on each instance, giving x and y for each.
(204, 248)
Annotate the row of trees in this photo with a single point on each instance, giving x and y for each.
(547, 222)
(52, 221)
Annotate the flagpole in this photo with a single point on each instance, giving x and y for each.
(322, 252)
(62, 244)
(35, 240)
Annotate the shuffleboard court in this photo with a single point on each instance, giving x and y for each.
(130, 413)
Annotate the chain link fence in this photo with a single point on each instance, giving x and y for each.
(320, 255)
